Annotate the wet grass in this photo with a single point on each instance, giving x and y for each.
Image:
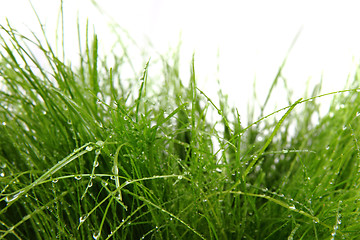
(88, 154)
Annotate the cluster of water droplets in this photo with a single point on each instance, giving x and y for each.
(337, 223)
(3, 170)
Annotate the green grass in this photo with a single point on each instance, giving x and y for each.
(86, 153)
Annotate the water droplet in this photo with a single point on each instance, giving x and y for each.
(13, 197)
(98, 101)
(218, 170)
(89, 148)
(119, 197)
(2, 174)
(327, 147)
(3, 123)
(292, 207)
(105, 183)
(96, 164)
(100, 143)
(78, 177)
(55, 180)
(96, 235)
(285, 151)
(100, 124)
(83, 218)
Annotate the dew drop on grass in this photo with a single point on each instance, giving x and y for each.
(119, 197)
(96, 235)
(97, 151)
(55, 180)
(13, 197)
(292, 207)
(96, 164)
(78, 177)
(3, 123)
(89, 148)
(104, 183)
(99, 124)
(100, 143)
(83, 218)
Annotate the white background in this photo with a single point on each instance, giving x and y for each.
(251, 37)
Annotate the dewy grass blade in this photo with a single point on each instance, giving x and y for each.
(76, 154)
(142, 89)
(258, 155)
(115, 169)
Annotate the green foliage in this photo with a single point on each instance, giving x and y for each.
(87, 154)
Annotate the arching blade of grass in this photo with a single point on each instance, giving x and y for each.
(253, 162)
(57, 167)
